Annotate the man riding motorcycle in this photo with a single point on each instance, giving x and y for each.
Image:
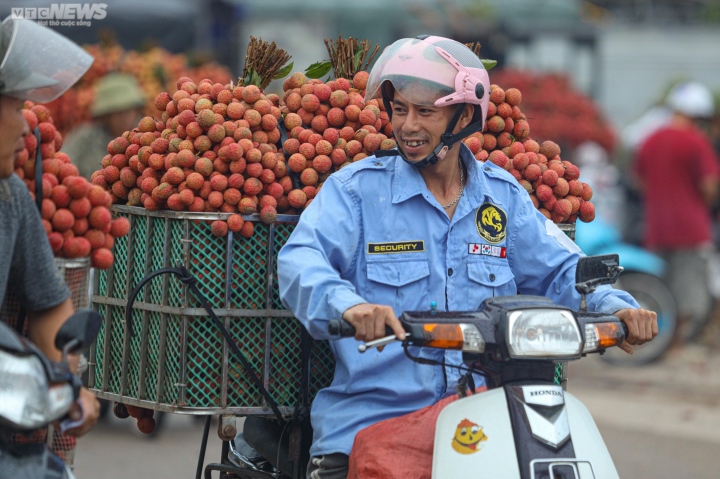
(422, 225)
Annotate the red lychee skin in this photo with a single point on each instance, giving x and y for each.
(215, 199)
(557, 167)
(99, 217)
(587, 212)
(219, 183)
(520, 161)
(268, 215)
(235, 223)
(297, 162)
(322, 163)
(497, 94)
(101, 258)
(77, 247)
(513, 96)
(195, 181)
(219, 228)
(146, 425)
(586, 192)
(60, 196)
(119, 227)
(77, 186)
(571, 171)
(323, 147)
(550, 177)
(532, 172)
(309, 177)
(56, 241)
(544, 193)
(563, 208)
(247, 206)
(252, 186)
(499, 158)
(80, 226)
(198, 205)
(62, 220)
(96, 238)
(48, 209)
(550, 149)
(247, 229)
(575, 188)
(562, 188)
(297, 198)
(253, 170)
(80, 208)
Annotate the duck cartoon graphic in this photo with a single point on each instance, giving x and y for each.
(468, 437)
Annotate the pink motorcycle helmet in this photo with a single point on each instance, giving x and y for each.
(437, 71)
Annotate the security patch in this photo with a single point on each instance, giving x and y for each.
(491, 223)
(488, 250)
(400, 247)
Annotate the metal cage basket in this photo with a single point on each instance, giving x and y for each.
(178, 360)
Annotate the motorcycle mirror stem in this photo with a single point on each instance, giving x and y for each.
(592, 271)
(79, 330)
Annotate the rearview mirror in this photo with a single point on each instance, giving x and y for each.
(78, 331)
(592, 271)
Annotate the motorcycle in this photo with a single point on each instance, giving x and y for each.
(35, 392)
(642, 278)
(525, 426)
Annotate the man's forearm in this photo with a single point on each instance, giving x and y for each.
(44, 325)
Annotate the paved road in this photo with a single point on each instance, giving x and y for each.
(658, 421)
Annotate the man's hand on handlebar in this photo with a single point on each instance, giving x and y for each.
(642, 327)
(370, 320)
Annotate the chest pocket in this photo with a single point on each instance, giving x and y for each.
(489, 278)
(396, 283)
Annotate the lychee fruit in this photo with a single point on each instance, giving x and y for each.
(101, 258)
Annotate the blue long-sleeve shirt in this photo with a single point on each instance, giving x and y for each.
(376, 234)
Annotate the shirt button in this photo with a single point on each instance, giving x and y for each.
(450, 271)
(487, 168)
(492, 277)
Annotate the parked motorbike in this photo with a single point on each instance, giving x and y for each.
(525, 426)
(35, 392)
(642, 278)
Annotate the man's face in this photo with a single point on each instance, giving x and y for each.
(418, 128)
(12, 126)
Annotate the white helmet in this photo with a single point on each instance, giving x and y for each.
(692, 99)
(36, 63)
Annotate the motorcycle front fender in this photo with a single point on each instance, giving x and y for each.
(487, 447)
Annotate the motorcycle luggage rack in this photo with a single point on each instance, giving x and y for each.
(554, 463)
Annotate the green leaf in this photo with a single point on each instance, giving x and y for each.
(284, 71)
(488, 64)
(356, 60)
(319, 69)
(252, 78)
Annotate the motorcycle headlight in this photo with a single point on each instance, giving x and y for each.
(543, 333)
(26, 399)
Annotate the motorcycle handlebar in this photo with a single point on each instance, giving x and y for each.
(340, 327)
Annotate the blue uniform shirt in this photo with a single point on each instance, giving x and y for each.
(375, 234)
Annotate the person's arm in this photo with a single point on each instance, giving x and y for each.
(44, 325)
(316, 260)
(544, 262)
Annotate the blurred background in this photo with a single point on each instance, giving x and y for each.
(594, 76)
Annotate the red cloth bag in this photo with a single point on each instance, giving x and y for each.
(398, 448)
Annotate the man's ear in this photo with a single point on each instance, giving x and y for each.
(466, 116)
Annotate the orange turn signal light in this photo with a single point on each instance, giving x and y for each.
(443, 336)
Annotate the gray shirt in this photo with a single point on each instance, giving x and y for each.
(27, 264)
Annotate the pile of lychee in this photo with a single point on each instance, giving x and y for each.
(218, 148)
(329, 125)
(552, 183)
(75, 213)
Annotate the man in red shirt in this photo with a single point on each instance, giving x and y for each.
(678, 173)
